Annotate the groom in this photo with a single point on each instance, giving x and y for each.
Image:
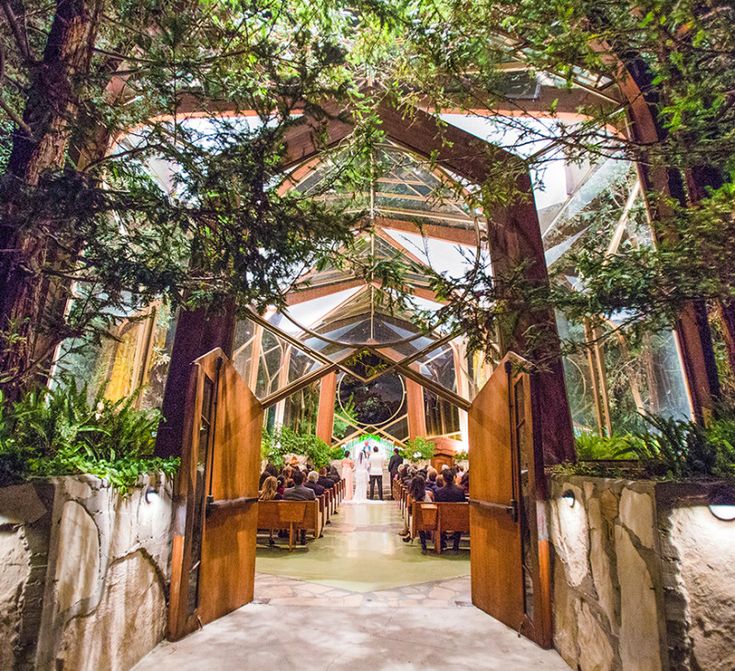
(376, 472)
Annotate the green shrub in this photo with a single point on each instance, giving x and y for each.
(418, 449)
(279, 442)
(671, 448)
(591, 447)
(59, 432)
(674, 448)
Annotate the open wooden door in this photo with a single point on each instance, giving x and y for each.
(509, 555)
(213, 553)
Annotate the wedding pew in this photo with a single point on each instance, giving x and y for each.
(324, 508)
(291, 515)
(439, 518)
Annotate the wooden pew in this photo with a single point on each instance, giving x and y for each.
(291, 515)
(324, 508)
(438, 518)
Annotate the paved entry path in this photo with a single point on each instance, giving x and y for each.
(358, 599)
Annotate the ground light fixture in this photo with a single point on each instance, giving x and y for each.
(722, 505)
(569, 498)
(150, 493)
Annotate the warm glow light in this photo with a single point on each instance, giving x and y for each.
(723, 512)
(569, 497)
(722, 506)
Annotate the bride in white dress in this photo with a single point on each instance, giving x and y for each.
(361, 479)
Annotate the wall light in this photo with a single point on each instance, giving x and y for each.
(569, 498)
(150, 492)
(722, 505)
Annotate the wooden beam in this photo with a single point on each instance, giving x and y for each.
(416, 410)
(310, 293)
(462, 236)
(325, 413)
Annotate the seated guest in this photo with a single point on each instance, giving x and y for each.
(269, 491)
(269, 470)
(408, 475)
(450, 493)
(324, 481)
(281, 484)
(431, 479)
(312, 482)
(298, 492)
(465, 482)
(418, 492)
(287, 472)
(439, 482)
(333, 474)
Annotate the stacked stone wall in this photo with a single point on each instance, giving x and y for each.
(643, 576)
(85, 573)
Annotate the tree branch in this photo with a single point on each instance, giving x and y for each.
(20, 34)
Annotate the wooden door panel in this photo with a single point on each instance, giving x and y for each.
(496, 565)
(227, 555)
(509, 553)
(496, 542)
(228, 541)
(213, 557)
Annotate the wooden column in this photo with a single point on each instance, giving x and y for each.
(325, 416)
(416, 409)
(515, 242)
(197, 332)
(463, 385)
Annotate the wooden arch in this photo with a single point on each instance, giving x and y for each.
(514, 240)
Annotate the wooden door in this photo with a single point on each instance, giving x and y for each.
(510, 551)
(213, 552)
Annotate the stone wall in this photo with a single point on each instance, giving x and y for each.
(642, 577)
(85, 573)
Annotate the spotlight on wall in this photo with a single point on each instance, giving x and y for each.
(722, 505)
(569, 498)
(150, 494)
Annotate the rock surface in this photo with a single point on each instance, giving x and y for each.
(84, 573)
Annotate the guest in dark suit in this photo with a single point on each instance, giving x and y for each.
(325, 481)
(333, 474)
(312, 482)
(395, 461)
(450, 493)
(299, 493)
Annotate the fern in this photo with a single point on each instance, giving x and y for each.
(59, 432)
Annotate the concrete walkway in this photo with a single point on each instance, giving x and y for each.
(357, 600)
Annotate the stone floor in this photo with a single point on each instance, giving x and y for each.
(280, 591)
(358, 599)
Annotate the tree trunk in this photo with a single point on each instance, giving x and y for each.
(50, 112)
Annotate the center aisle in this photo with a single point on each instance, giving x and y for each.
(361, 552)
(358, 599)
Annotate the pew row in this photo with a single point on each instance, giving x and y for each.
(292, 515)
(439, 518)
